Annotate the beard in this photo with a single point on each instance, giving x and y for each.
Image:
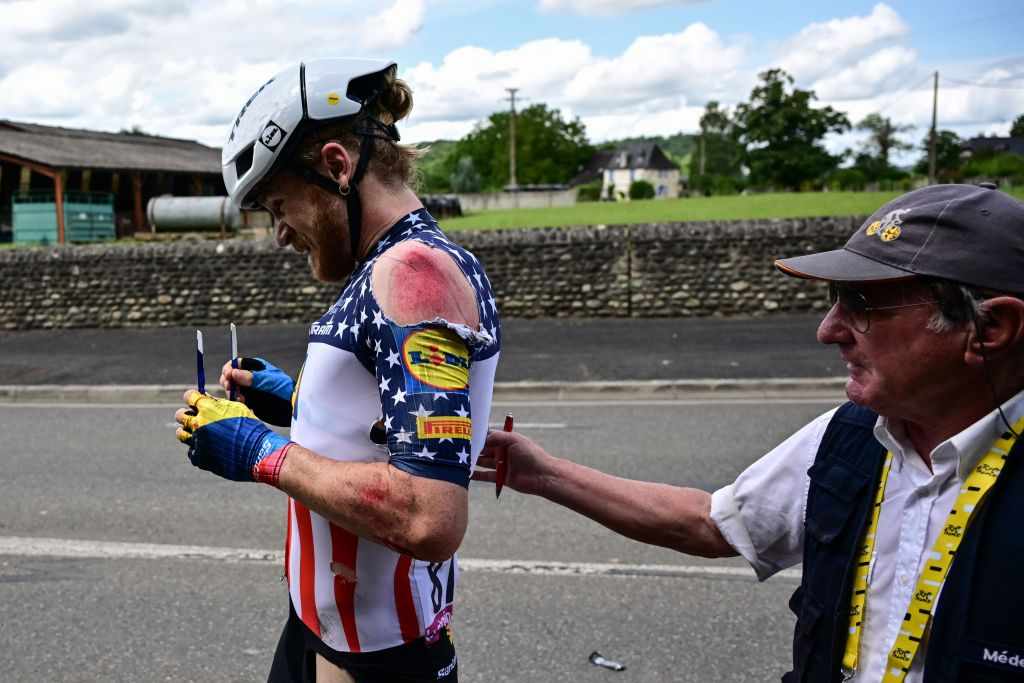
(331, 259)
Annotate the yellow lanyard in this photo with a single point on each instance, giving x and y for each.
(918, 616)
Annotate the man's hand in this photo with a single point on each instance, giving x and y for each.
(264, 387)
(528, 464)
(226, 438)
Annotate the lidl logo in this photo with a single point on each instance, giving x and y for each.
(438, 358)
(272, 136)
(444, 428)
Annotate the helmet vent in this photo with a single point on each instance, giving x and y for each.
(243, 162)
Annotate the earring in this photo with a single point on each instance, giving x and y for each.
(343, 190)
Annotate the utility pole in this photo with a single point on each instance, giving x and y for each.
(931, 140)
(702, 136)
(512, 140)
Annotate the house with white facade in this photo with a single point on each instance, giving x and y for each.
(619, 168)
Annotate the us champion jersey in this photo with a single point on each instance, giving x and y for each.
(429, 386)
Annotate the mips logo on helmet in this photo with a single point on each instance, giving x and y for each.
(272, 136)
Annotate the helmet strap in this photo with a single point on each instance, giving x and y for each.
(371, 130)
(352, 199)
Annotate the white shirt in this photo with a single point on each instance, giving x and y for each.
(761, 518)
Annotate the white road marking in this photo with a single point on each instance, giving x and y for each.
(21, 546)
(532, 425)
(98, 406)
(710, 400)
(607, 403)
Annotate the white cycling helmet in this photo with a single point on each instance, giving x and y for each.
(292, 102)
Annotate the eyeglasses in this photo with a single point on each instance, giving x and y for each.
(857, 308)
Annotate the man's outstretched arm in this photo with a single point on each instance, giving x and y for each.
(670, 516)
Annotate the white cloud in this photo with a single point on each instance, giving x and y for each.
(654, 76)
(169, 66)
(183, 69)
(606, 7)
(394, 25)
(880, 71)
(470, 82)
(693, 64)
(822, 48)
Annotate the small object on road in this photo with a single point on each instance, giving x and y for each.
(233, 394)
(501, 466)
(597, 660)
(200, 370)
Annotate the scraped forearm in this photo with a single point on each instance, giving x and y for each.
(375, 501)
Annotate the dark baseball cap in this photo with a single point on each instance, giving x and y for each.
(966, 233)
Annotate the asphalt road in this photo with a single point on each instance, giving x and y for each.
(546, 349)
(110, 473)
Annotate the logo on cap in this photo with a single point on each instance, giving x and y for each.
(891, 233)
(888, 229)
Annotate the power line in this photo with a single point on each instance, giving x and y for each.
(993, 86)
(900, 93)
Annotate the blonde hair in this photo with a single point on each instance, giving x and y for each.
(392, 163)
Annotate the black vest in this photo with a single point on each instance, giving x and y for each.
(977, 633)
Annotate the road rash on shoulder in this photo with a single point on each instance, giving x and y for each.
(414, 282)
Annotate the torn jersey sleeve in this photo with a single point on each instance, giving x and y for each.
(423, 381)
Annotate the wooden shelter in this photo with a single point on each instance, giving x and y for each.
(132, 166)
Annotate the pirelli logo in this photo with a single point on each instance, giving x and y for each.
(444, 428)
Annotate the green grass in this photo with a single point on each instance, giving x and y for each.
(771, 205)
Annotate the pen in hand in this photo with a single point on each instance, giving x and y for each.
(200, 371)
(501, 464)
(233, 392)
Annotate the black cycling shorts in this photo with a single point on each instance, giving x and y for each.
(415, 662)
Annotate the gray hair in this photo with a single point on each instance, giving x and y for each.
(958, 305)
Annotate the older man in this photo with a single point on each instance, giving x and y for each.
(912, 489)
(391, 405)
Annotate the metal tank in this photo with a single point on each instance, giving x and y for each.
(179, 214)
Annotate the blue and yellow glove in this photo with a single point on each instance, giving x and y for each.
(270, 395)
(226, 438)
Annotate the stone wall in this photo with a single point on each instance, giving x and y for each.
(473, 202)
(679, 269)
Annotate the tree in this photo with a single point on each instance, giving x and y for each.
(549, 149)
(948, 163)
(1017, 129)
(718, 155)
(433, 170)
(782, 133)
(882, 141)
(465, 177)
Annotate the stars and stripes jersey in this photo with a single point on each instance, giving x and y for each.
(430, 386)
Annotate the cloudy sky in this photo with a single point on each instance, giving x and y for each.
(625, 67)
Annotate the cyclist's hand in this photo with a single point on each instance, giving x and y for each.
(262, 386)
(527, 462)
(225, 437)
